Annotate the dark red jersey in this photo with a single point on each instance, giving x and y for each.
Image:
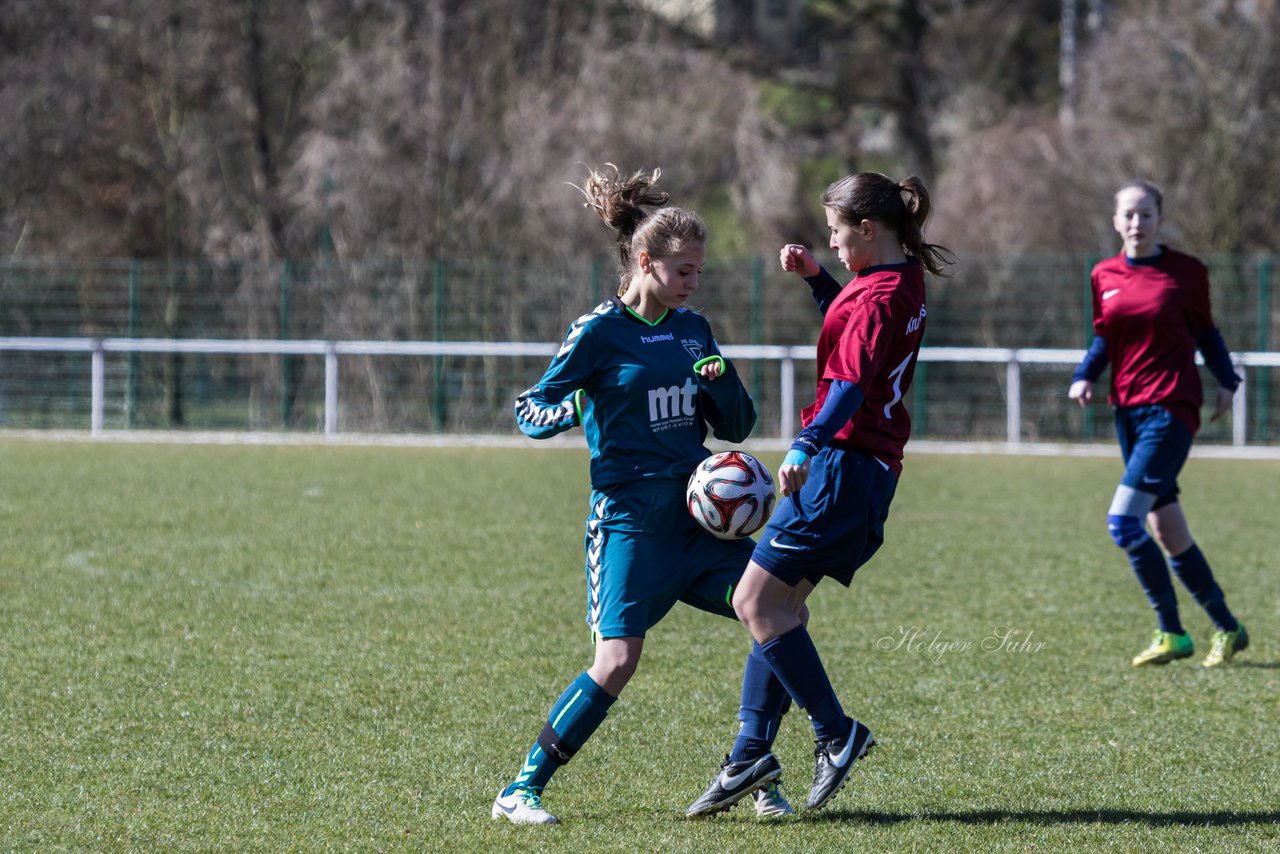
(871, 337)
(1150, 312)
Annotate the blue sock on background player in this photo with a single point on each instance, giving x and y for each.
(1153, 574)
(764, 702)
(1194, 571)
(1124, 523)
(574, 717)
(795, 661)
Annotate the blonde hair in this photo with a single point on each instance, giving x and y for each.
(622, 203)
(871, 195)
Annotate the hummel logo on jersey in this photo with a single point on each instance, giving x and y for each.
(577, 327)
(653, 339)
(1109, 294)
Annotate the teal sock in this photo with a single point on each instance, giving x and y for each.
(574, 717)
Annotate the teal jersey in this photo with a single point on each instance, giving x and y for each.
(646, 412)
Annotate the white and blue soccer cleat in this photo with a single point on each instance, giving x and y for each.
(769, 801)
(523, 806)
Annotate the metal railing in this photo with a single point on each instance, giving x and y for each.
(786, 356)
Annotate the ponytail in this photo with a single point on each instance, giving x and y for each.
(911, 234)
(621, 203)
(870, 195)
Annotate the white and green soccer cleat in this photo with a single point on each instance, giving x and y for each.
(769, 801)
(523, 806)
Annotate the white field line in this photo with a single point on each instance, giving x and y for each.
(576, 440)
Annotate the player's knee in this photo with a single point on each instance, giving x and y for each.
(1126, 531)
(617, 663)
(746, 607)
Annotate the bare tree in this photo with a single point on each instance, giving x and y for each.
(1177, 94)
(1067, 62)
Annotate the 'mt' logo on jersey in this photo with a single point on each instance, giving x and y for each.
(672, 406)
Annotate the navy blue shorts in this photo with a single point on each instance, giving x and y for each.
(645, 552)
(1154, 445)
(834, 524)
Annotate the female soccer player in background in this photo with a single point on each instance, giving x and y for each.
(1150, 313)
(841, 472)
(643, 376)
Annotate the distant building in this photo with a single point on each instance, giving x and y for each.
(775, 26)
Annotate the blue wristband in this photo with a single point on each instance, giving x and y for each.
(795, 457)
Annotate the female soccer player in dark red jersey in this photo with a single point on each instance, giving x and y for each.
(840, 474)
(1150, 314)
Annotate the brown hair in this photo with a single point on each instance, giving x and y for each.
(622, 201)
(1147, 187)
(870, 195)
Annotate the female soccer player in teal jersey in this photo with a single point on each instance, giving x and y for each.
(1150, 313)
(643, 375)
(841, 472)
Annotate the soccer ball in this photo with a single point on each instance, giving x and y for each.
(731, 495)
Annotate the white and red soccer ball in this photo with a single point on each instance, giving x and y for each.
(731, 494)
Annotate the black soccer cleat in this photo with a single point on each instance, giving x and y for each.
(735, 781)
(835, 759)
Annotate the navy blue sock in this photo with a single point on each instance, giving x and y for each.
(574, 717)
(764, 702)
(1153, 574)
(795, 660)
(1194, 572)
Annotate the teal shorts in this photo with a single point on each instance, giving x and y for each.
(645, 553)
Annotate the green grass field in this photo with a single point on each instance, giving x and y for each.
(312, 649)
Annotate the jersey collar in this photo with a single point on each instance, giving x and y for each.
(1148, 260)
(630, 312)
(879, 268)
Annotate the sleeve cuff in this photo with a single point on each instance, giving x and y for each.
(697, 366)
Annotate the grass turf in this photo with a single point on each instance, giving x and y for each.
(308, 648)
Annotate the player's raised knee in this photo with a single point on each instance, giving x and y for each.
(1126, 531)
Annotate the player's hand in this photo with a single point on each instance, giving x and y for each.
(799, 260)
(793, 472)
(711, 370)
(1223, 403)
(1081, 392)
